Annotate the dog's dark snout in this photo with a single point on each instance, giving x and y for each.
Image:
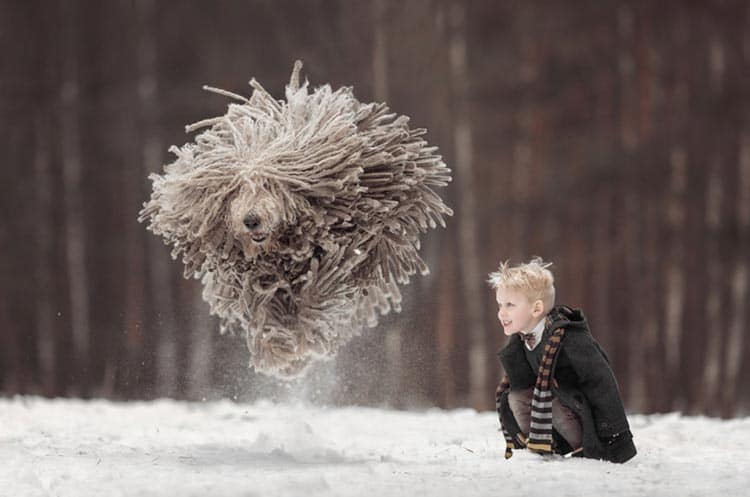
(251, 222)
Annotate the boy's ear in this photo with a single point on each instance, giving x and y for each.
(538, 308)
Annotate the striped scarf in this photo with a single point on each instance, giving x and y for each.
(540, 432)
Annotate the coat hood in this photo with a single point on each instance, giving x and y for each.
(562, 316)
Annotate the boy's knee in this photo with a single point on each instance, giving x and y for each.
(567, 423)
(519, 402)
(521, 397)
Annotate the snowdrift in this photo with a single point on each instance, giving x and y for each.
(94, 448)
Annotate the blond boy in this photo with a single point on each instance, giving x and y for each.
(559, 394)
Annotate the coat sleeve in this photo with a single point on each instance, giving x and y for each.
(596, 382)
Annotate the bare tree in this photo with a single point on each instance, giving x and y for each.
(163, 326)
(471, 277)
(738, 281)
(738, 214)
(43, 271)
(674, 268)
(72, 164)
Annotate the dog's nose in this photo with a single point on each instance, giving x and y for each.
(251, 222)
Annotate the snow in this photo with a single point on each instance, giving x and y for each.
(94, 448)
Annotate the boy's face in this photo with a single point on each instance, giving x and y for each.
(515, 311)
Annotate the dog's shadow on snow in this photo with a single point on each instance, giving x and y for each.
(222, 455)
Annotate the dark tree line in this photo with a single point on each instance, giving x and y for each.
(612, 138)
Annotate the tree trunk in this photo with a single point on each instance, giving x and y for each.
(715, 304)
(625, 297)
(674, 275)
(73, 194)
(738, 276)
(471, 278)
(201, 351)
(736, 342)
(161, 278)
(43, 269)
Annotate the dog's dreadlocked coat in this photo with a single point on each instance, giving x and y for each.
(300, 217)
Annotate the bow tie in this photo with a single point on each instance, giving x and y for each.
(529, 339)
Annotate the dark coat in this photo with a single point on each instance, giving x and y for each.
(583, 381)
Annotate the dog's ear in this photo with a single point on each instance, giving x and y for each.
(188, 208)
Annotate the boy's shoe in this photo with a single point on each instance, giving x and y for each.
(559, 444)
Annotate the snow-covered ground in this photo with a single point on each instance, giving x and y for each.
(100, 448)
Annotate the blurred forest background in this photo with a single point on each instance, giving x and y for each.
(610, 137)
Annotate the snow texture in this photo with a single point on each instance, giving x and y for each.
(94, 448)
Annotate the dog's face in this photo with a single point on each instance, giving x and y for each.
(256, 216)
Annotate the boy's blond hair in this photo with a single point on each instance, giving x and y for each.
(532, 279)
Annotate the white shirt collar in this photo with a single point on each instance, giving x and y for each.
(538, 331)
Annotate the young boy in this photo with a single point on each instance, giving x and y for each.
(559, 394)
